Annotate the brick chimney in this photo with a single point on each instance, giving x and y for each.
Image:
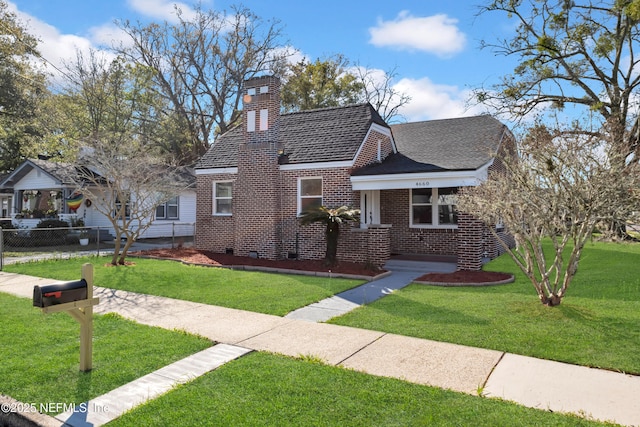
(261, 109)
(256, 194)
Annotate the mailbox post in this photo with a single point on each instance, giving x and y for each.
(76, 298)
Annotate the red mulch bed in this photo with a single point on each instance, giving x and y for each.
(465, 276)
(211, 258)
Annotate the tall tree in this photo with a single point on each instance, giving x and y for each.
(380, 92)
(320, 84)
(551, 195)
(579, 52)
(22, 88)
(201, 62)
(120, 167)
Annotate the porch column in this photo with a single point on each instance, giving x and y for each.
(379, 244)
(470, 243)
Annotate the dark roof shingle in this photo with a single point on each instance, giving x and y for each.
(465, 143)
(323, 135)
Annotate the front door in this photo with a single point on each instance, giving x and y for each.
(369, 207)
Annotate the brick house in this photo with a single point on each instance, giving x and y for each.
(257, 178)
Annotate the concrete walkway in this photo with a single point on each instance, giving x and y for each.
(542, 384)
(401, 273)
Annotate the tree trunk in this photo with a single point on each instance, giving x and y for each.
(551, 300)
(125, 250)
(116, 249)
(332, 233)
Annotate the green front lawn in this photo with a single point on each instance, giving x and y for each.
(40, 353)
(596, 325)
(267, 390)
(268, 293)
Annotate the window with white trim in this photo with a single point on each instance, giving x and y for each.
(168, 210)
(309, 193)
(222, 198)
(434, 207)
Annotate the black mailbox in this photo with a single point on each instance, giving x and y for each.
(59, 293)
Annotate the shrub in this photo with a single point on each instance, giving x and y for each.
(56, 235)
(52, 223)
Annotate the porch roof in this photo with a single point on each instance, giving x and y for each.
(436, 153)
(436, 178)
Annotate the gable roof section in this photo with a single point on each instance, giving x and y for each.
(465, 143)
(326, 135)
(57, 171)
(322, 135)
(223, 153)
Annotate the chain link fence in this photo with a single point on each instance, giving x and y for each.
(47, 241)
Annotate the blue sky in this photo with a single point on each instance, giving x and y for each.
(433, 45)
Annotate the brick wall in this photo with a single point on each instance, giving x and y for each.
(377, 147)
(366, 245)
(280, 235)
(395, 210)
(256, 201)
(214, 233)
(309, 240)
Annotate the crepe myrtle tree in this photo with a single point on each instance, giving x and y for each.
(331, 218)
(126, 181)
(555, 188)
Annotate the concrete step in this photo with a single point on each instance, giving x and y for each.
(422, 266)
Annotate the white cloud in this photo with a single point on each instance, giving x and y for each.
(162, 9)
(108, 35)
(430, 101)
(437, 34)
(54, 47)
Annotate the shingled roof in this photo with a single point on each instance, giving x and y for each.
(57, 171)
(465, 143)
(64, 173)
(322, 135)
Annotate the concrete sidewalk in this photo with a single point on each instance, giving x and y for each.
(541, 384)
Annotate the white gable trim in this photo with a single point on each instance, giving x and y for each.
(10, 182)
(468, 178)
(380, 129)
(317, 165)
(212, 171)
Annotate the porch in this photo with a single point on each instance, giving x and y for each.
(422, 263)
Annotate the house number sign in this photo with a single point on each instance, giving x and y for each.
(422, 183)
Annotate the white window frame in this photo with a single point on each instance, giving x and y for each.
(435, 211)
(300, 196)
(215, 198)
(166, 209)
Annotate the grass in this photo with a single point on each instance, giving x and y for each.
(40, 353)
(269, 390)
(596, 324)
(269, 293)
(265, 389)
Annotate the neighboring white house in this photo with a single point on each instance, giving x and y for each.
(40, 191)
